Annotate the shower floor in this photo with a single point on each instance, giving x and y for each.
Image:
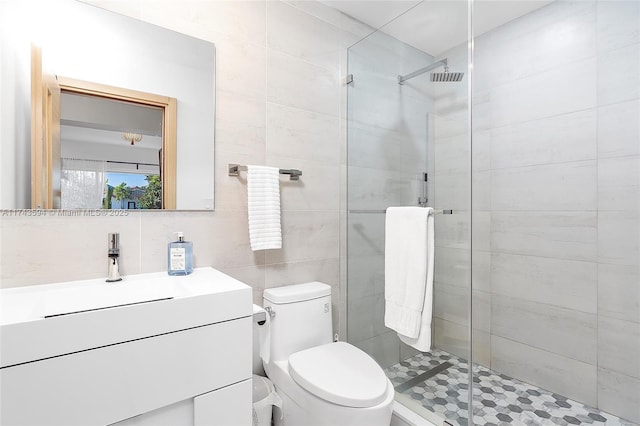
(498, 398)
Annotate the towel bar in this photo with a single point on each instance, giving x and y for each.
(294, 174)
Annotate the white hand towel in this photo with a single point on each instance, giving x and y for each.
(409, 273)
(263, 190)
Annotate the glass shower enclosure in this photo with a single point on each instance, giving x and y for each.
(531, 161)
(409, 145)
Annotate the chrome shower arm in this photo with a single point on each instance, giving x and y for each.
(403, 78)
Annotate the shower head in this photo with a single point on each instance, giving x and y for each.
(446, 76)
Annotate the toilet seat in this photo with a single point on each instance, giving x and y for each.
(339, 373)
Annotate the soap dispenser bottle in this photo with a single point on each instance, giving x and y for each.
(180, 256)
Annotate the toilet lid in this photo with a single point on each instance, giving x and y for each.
(339, 373)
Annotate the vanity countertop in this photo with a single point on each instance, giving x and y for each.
(48, 320)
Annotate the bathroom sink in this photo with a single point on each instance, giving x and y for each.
(44, 321)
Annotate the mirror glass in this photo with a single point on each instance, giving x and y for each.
(111, 153)
(83, 42)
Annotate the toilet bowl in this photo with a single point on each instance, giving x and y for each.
(321, 382)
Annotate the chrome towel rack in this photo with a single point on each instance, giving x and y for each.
(294, 174)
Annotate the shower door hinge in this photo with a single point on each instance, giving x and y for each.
(348, 79)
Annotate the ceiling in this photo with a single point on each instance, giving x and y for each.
(434, 26)
(95, 120)
(96, 112)
(84, 134)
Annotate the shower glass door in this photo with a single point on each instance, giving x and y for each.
(537, 269)
(409, 145)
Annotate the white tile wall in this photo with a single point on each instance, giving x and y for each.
(564, 235)
(566, 376)
(294, 82)
(547, 188)
(384, 348)
(302, 134)
(557, 128)
(526, 46)
(385, 149)
(556, 139)
(618, 24)
(53, 249)
(618, 237)
(619, 345)
(450, 303)
(452, 266)
(453, 231)
(366, 275)
(277, 102)
(303, 35)
(618, 75)
(481, 270)
(452, 190)
(564, 89)
(366, 234)
(451, 337)
(619, 183)
(618, 295)
(565, 283)
(371, 188)
(619, 207)
(447, 154)
(619, 393)
(565, 332)
(481, 193)
(617, 129)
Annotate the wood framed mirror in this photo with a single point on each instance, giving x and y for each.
(46, 152)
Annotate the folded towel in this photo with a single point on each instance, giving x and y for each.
(263, 190)
(423, 341)
(409, 270)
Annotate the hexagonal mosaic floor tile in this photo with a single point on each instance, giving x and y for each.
(497, 398)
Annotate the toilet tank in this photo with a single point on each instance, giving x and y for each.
(302, 318)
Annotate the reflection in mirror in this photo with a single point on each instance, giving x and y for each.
(78, 148)
(83, 42)
(110, 152)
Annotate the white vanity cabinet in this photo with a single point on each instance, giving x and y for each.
(163, 351)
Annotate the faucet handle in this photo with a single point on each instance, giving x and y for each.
(114, 243)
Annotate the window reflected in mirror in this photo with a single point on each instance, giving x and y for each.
(103, 147)
(111, 153)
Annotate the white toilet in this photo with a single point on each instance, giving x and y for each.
(320, 382)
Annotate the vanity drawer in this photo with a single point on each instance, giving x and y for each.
(112, 383)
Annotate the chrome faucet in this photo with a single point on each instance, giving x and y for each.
(113, 253)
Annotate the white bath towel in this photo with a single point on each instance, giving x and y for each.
(409, 258)
(423, 341)
(263, 190)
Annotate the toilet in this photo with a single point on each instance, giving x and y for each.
(321, 382)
